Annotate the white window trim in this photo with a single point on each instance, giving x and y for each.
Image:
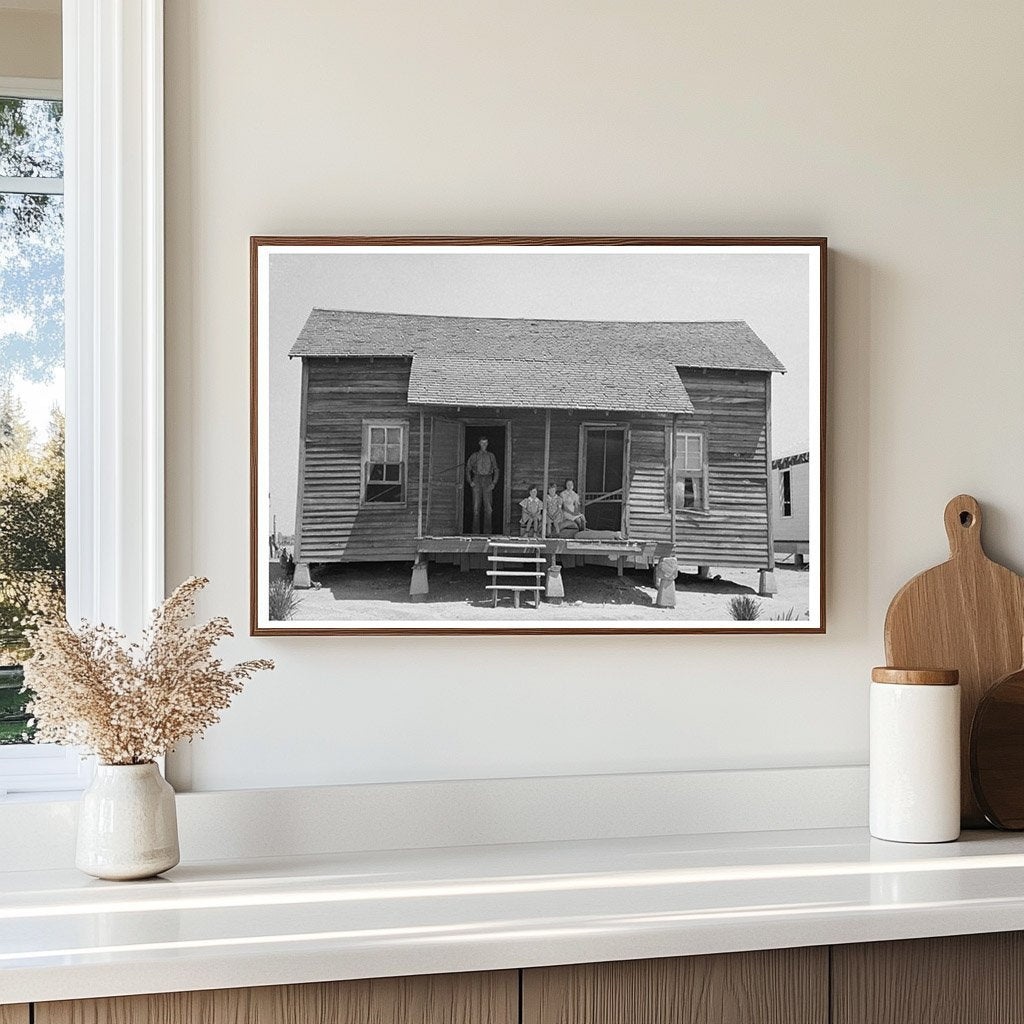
(365, 453)
(113, 160)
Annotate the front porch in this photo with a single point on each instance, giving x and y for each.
(475, 551)
(553, 547)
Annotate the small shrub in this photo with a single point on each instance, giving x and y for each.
(745, 608)
(282, 599)
(787, 616)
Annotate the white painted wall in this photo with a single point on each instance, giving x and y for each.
(895, 129)
(30, 41)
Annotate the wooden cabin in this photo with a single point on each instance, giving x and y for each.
(664, 426)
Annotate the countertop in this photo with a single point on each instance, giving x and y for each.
(356, 915)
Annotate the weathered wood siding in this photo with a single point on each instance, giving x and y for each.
(528, 452)
(647, 512)
(332, 525)
(731, 408)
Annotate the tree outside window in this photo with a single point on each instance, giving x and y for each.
(32, 541)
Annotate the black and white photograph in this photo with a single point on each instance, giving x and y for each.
(550, 435)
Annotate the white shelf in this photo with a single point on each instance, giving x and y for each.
(352, 915)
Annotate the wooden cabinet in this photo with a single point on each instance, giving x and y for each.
(491, 998)
(778, 986)
(962, 979)
(968, 979)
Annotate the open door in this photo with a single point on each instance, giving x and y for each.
(445, 475)
(603, 483)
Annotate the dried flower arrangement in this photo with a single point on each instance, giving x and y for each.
(130, 703)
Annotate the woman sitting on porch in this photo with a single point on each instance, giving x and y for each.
(572, 510)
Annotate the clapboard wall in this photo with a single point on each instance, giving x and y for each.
(731, 409)
(332, 525)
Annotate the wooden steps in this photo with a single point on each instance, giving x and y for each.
(500, 553)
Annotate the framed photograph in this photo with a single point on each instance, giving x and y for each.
(537, 435)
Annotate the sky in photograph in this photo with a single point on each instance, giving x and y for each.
(769, 292)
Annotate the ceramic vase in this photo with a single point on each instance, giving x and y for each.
(127, 825)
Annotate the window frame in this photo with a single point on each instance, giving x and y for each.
(38, 767)
(786, 493)
(672, 439)
(112, 90)
(368, 425)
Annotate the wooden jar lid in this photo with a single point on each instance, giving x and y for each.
(916, 676)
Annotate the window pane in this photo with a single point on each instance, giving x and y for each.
(383, 492)
(378, 452)
(394, 435)
(31, 413)
(31, 138)
(376, 471)
(377, 435)
(394, 453)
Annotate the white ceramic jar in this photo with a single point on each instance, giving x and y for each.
(915, 755)
(127, 823)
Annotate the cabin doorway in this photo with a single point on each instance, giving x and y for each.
(603, 465)
(497, 434)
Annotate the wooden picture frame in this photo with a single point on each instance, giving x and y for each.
(432, 355)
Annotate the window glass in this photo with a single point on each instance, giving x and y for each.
(31, 138)
(384, 458)
(31, 387)
(689, 470)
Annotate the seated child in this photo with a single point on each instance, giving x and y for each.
(533, 509)
(572, 507)
(553, 510)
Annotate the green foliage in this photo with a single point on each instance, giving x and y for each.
(31, 524)
(281, 599)
(745, 608)
(14, 727)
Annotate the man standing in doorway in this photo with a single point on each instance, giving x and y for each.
(482, 476)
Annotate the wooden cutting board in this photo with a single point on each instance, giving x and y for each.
(967, 614)
(997, 752)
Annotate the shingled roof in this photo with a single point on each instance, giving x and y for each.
(558, 364)
(547, 384)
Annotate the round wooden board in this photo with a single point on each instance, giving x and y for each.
(997, 752)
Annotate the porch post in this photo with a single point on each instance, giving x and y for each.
(419, 500)
(547, 459)
(672, 479)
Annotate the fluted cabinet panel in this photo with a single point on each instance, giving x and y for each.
(960, 979)
(481, 998)
(779, 986)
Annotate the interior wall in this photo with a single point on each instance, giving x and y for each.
(30, 43)
(894, 129)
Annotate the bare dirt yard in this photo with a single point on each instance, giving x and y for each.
(380, 591)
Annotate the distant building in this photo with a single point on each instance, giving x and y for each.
(791, 497)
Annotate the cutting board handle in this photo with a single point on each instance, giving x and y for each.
(963, 526)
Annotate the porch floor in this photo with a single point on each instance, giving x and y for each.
(551, 546)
